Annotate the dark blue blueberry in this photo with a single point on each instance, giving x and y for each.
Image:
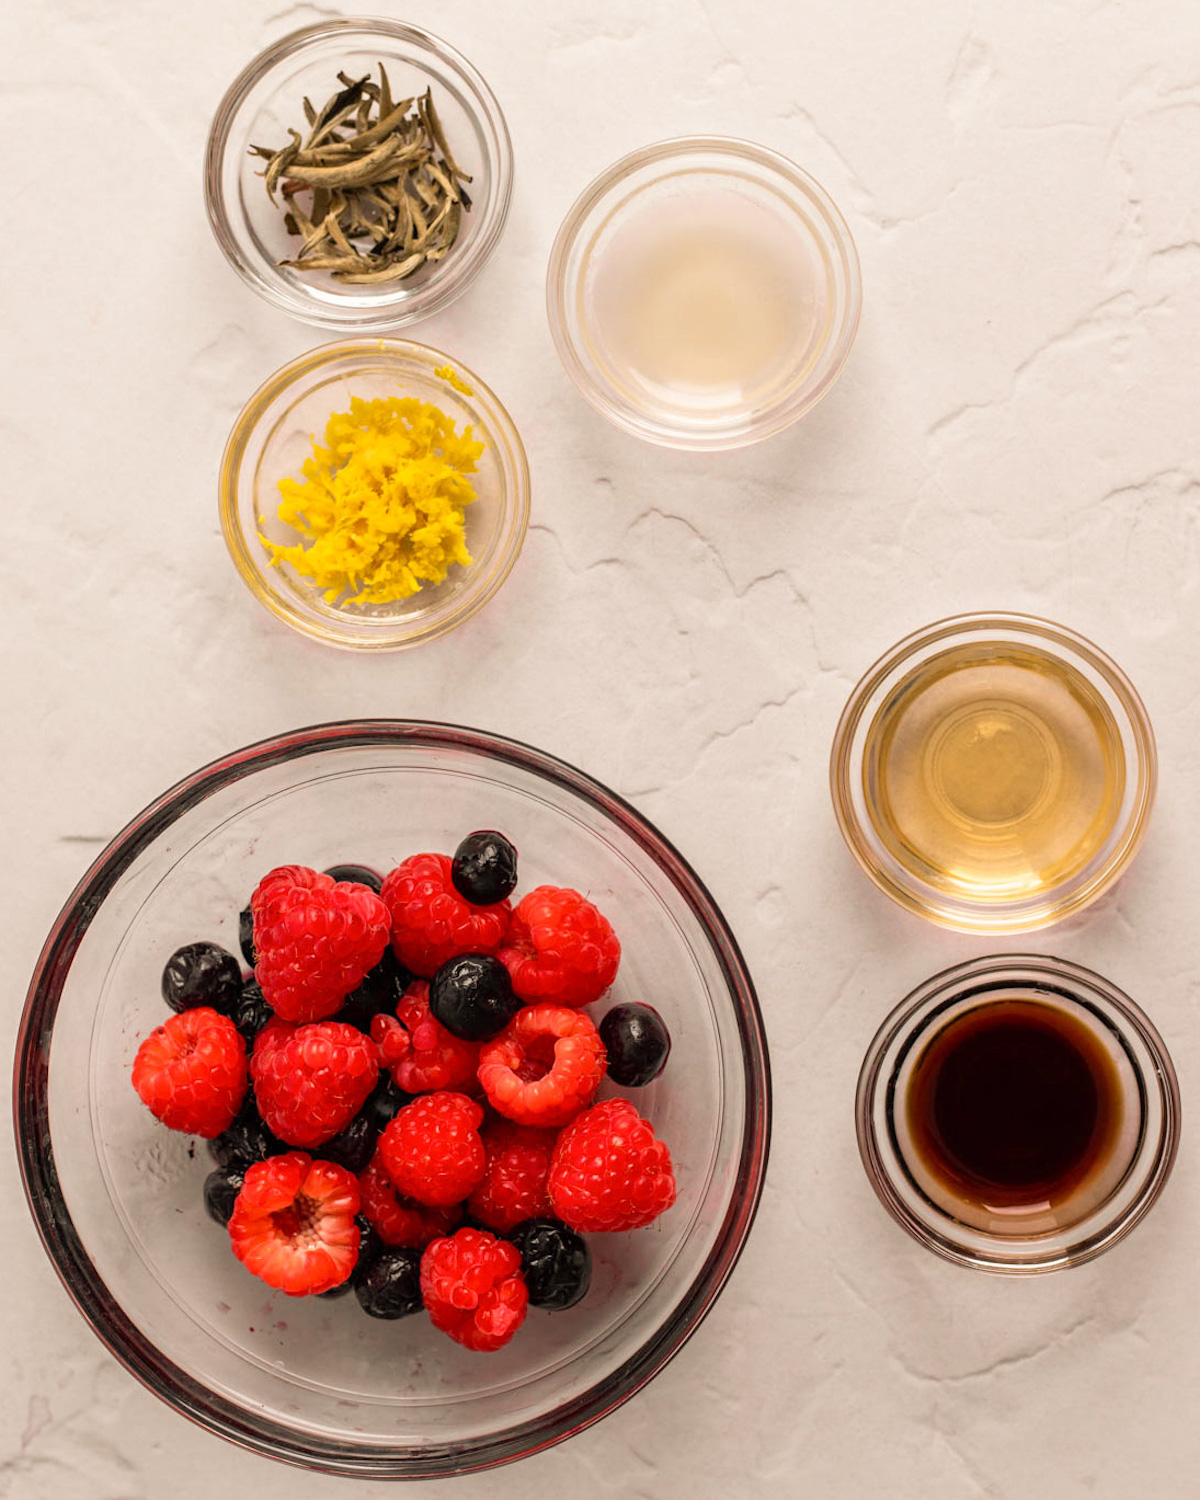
(388, 1285)
(246, 936)
(385, 1103)
(484, 868)
(637, 1042)
(338, 1291)
(369, 1243)
(555, 1262)
(251, 1013)
(352, 1147)
(379, 993)
(220, 1192)
(202, 974)
(358, 875)
(472, 996)
(247, 1140)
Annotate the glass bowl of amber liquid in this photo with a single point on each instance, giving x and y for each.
(274, 436)
(1018, 1114)
(994, 772)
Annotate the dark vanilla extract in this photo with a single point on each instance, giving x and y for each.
(1012, 1107)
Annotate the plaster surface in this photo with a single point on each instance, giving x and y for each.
(1015, 429)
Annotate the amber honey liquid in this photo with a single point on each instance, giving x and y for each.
(994, 771)
(1013, 1110)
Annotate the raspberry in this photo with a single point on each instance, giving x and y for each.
(293, 1223)
(310, 1081)
(190, 1072)
(560, 948)
(437, 1059)
(432, 1151)
(609, 1172)
(315, 940)
(431, 922)
(514, 1180)
(397, 1220)
(544, 1067)
(473, 1289)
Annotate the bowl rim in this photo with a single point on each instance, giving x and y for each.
(767, 421)
(257, 574)
(958, 912)
(917, 1015)
(442, 289)
(137, 1353)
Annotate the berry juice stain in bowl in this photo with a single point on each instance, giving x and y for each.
(703, 293)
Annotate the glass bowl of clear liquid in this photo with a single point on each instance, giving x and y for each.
(704, 293)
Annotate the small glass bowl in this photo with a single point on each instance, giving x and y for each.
(925, 879)
(266, 100)
(273, 436)
(1131, 1181)
(807, 233)
(117, 1198)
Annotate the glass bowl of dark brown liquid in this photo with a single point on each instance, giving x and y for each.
(1018, 1114)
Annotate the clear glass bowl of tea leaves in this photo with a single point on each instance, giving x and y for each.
(358, 174)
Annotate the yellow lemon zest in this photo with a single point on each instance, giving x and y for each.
(452, 378)
(380, 508)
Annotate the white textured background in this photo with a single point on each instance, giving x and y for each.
(1017, 428)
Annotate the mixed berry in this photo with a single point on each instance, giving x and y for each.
(401, 1099)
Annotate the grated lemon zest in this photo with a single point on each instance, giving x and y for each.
(380, 510)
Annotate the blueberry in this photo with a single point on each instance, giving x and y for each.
(202, 974)
(385, 1103)
(251, 1013)
(555, 1261)
(246, 935)
(247, 1140)
(358, 874)
(637, 1042)
(389, 1284)
(472, 996)
(369, 1244)
(353, 1146)
(338, 1291)
(379, 993)
(220, 1192)
(484, 869)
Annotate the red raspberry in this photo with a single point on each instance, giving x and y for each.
(310, 1081)
(431, 922)
(544, 1067)
(293, 1223)
(436, 1059)
(191, 1072)
(316, 940)
(514, 1180)
(609, 1172)
(473, 1289)
(397, 1220)
(431, 1150)
(560, 948)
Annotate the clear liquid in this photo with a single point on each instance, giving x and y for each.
(708, 297)
(994, 772)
